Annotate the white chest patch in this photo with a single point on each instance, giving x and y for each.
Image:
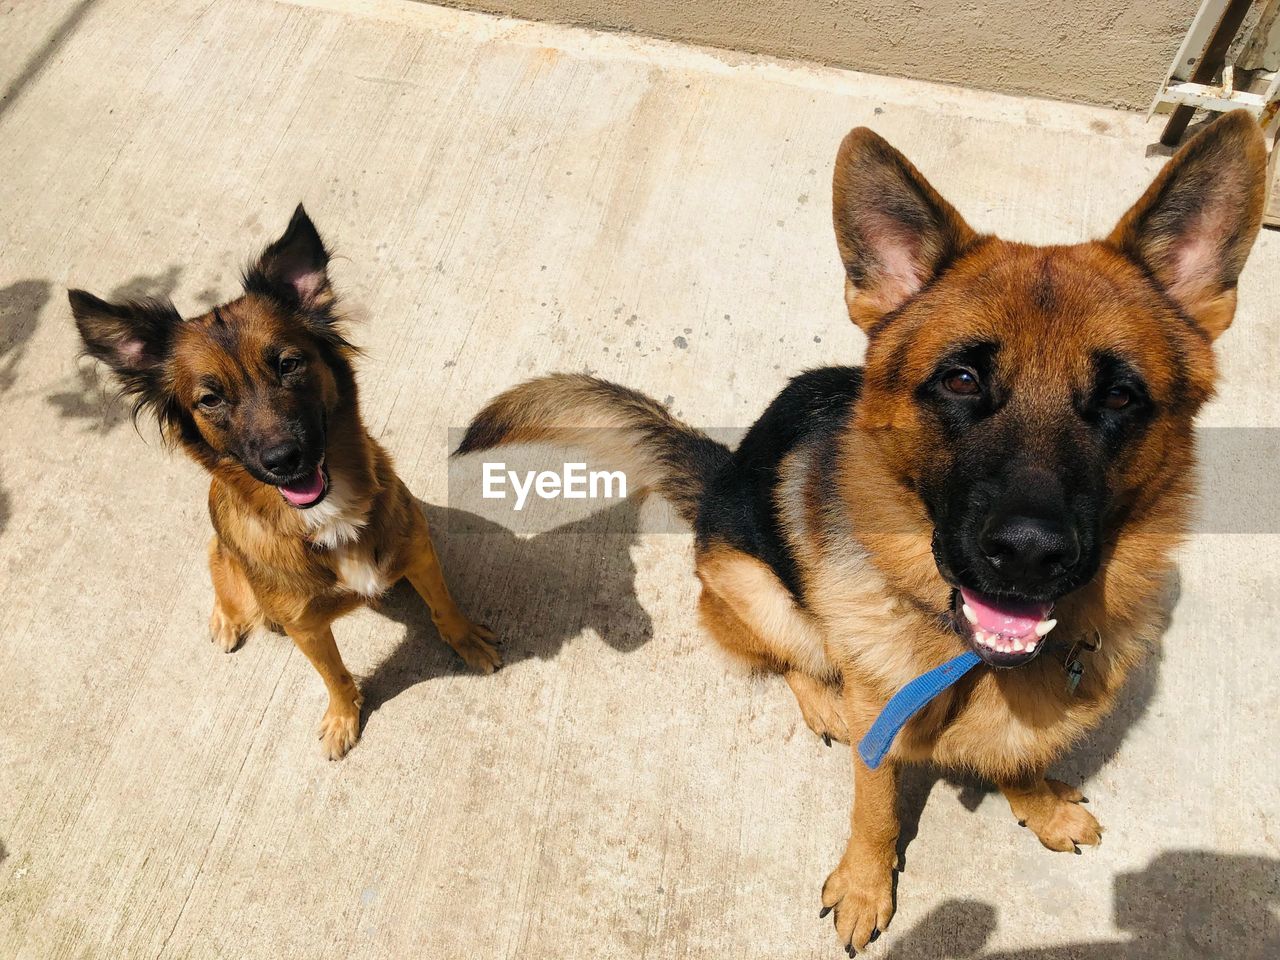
(359, 574)
(336, 519)
(335, 523)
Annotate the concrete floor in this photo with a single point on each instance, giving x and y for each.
(510, 199)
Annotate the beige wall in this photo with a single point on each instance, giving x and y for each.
(1092, 50)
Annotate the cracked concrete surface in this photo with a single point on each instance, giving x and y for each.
(508, 199)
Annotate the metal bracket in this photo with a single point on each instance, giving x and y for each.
(1193, 78)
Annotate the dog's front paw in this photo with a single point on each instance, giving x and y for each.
(473, 646)
(820, 706)
(860, 894)
(340, 729)
(1056, 817)
(224, 632)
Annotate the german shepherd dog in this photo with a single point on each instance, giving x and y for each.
(1008, 473)
(310, 519)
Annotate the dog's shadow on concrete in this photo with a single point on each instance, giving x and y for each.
(1184, 905)
(21, 305)
(1077, 767)
(537, 593)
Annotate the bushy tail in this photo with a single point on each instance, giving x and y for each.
(625, 429)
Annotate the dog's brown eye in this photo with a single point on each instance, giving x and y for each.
(209, 401)
(1117, 398)
(288, 365)
(961, 382)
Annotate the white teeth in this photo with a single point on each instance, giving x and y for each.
(1001, 644)
(1044, 626)
(969, 614)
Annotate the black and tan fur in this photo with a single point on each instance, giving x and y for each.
(829, 543)
(267, 371)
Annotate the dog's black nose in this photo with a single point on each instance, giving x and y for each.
(284, 459)
(1029, 549)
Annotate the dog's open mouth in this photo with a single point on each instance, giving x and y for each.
(1004, 633)
(308, 490)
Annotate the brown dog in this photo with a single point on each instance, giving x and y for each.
(1007, 474)
(309, 517)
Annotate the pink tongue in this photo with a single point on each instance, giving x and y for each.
(304, 492)
(1006, 618)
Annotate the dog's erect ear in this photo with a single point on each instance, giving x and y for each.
(294, 269)
(894, 231)
(1194, 226)
(133, 339)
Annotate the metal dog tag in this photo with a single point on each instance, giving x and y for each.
(1075, 664)
(1075, 670)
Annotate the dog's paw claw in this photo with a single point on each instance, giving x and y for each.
(476, 650)
(860, 891)
(225, 634)
(339, 731)
(822, 716)
(1060, 821)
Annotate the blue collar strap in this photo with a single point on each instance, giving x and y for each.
(909, 701)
